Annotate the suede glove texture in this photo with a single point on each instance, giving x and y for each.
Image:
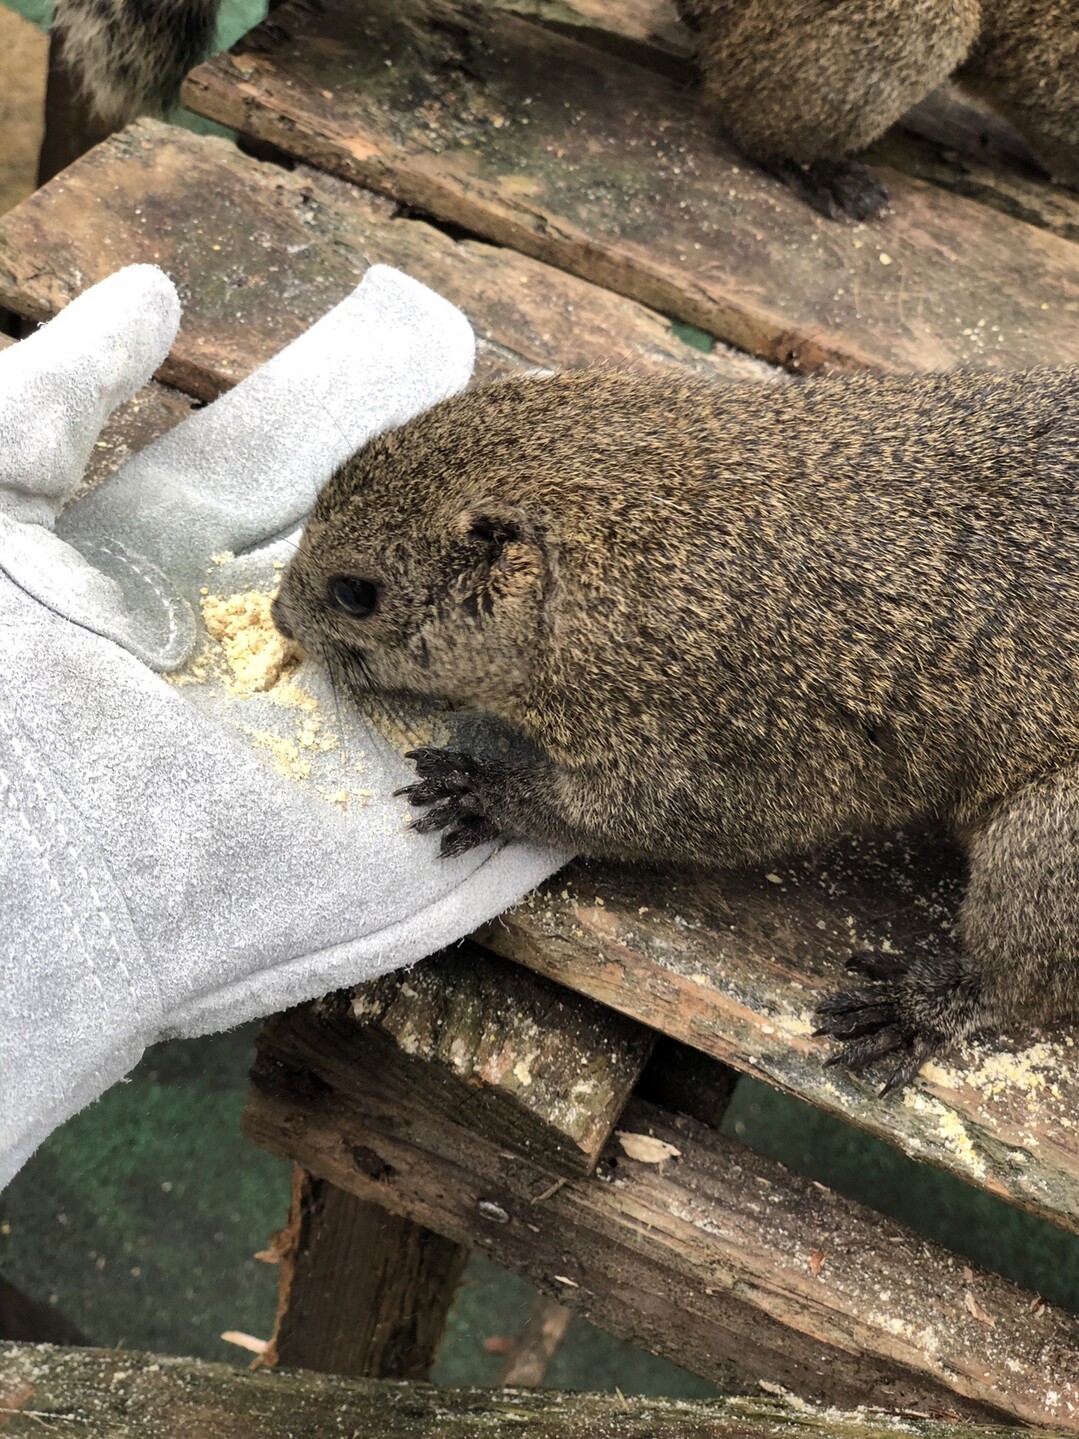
(193, 831)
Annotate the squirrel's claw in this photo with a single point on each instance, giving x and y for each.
(874, 1021)
(834, 188)
(446, 780)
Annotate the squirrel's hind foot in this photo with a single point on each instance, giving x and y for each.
(834, 188)
(910, 1010)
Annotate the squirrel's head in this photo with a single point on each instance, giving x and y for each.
(420, 570)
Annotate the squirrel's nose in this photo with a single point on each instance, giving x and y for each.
(277, 614)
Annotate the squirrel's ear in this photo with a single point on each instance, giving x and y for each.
(491, 528)
(504, 555)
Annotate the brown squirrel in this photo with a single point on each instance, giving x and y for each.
(732, 623)
(802, 85)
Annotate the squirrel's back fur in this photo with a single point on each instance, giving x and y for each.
(131, 55)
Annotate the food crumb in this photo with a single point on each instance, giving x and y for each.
(283, 754)
(256, 653)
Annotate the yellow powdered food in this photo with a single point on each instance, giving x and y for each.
(282, 754)
(256, 653)
(247, 652)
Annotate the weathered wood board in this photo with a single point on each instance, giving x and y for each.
(258, 253)
(361, 1291)
(1011, 187)
(532, 1065)
(772, 1275)
(122, 1394)
(648, 32)
(734, 964)
(613, 172)
(972, 151)
(534, 1068)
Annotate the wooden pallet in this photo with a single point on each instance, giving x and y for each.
(569, 219)
(672, 1236)
(91, 1394)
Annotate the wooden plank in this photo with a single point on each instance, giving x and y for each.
(614, 173)
(734, 964)
(114, 1394)
(534, 1067)
(1010, 187)
(362, 1292)
(258, 253)
(155, 409)
(537, 1344)
(648, 32)
(776, 1277)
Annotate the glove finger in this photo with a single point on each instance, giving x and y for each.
(250, 465)
(58, 386)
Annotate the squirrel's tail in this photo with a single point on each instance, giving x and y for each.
(130, 55)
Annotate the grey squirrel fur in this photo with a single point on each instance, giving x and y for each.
(732, 623)
(800, 85)
(131, 55)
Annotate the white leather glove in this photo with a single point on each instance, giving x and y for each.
(179, 851)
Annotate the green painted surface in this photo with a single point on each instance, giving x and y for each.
(690, 335)
(140, 1216)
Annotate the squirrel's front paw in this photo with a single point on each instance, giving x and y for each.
(447, 783)
(910, 1010)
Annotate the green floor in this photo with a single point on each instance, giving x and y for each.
(140, 1217)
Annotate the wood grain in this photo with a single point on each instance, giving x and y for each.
(362, 1292)
(534, 1066)
(733, 965)
(772, 1276)
(113, 1394)
(613, 172)
(259, 253)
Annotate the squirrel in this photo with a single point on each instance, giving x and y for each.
(731, 623)
(801, 86)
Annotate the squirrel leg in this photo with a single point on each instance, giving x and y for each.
(1026, 65)
(802, 88)
(834, 188)
(1017, 958)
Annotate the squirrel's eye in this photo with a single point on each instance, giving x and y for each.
(355, 598)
